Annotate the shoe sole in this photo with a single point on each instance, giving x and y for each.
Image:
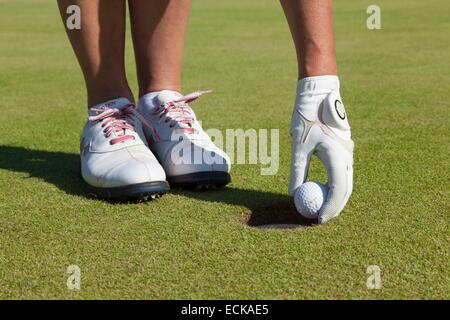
(136, 192)
(200, 180)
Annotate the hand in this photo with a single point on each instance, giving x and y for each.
(320, 126)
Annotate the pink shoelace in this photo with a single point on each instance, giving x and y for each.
(115, 120)
(179, 112)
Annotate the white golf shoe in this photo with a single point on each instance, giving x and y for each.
(115, 161)
(187, 154)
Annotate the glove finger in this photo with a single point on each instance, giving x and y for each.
(339, 165)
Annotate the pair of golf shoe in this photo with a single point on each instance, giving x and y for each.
(128, 152)
(134, 153)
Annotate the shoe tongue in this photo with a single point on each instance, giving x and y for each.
(118, 103)
(167, 96)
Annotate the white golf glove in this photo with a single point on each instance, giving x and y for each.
(319, 126)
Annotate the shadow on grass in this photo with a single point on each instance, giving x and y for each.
(266, 209)
(58, 168)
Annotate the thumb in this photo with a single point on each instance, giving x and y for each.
(302, 150)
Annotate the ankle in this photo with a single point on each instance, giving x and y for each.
(100, 96)
(155, 88)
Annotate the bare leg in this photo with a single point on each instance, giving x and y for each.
(99, 47)
(311, 24)
(159, 28)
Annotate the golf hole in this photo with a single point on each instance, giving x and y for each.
(280, 216)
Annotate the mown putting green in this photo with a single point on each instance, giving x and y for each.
(395, 84)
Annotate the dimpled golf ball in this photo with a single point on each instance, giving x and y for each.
(309, 198)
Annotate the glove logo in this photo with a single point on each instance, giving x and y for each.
(339, 107)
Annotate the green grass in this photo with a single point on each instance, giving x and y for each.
(395, 83)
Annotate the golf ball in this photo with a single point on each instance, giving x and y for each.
(309, 198)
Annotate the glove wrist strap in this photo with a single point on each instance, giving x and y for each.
(318, 85)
